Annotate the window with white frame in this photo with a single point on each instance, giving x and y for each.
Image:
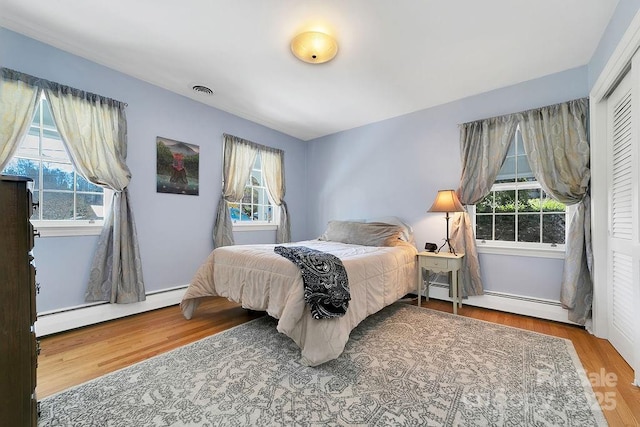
(517, 212)
(64, 197)
(255, 206)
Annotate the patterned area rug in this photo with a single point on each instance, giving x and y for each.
(405, 366)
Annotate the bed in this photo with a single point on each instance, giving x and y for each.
(379, 259)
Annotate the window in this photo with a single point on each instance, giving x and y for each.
(517, 212)
(65, 198)
(255, 207)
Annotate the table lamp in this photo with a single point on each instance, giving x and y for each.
(446, 201)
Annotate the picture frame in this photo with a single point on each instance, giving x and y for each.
(177, 167)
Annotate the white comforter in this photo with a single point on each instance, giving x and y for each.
(260, 279)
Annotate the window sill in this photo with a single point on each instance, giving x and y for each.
(64, 229)
(534, 252)
(254, 227)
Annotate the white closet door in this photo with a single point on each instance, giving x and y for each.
(624, 243)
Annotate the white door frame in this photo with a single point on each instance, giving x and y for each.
(616, 66)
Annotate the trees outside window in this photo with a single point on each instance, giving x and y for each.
(61, 193)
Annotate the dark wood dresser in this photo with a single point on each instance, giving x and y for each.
(18, 345)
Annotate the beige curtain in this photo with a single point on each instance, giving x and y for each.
(19, 95)
(483, 145)
(273, 171)
(556, 142)
(94, 130)
(239, 156)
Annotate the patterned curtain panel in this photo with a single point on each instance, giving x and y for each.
(239, 156)
(19, 94)
(116, 271)
(94, 129)
(483, 145)
(273, 170)
(557, 146)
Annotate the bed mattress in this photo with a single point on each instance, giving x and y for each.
(259, 279)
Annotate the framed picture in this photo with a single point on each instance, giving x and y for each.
(177, 167)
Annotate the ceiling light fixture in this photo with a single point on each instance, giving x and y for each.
(314, 47)
(203, 89)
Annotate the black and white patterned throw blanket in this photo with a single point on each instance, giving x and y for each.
(326, 286)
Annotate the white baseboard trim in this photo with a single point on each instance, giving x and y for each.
(77, 317)
(510, 303)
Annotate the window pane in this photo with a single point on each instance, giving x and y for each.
(255, 205)
(551, 205)
(234, 211)
(519, 144)
(528, 209)
(505, 201)
(485, 205)
(53, 148)
(246, 213)
(553, 226)
(247, 195)
(47, 118)
(506, 227)
(59, 181)
(36, 199)
(24, 167)
(524, 170)
(57, 176)
(264, 197)
(508, 171)
(84, 185)
(529, 228)
(258, 162)
(484, 227)
(89, 206)
(529, 200)
(258, 213)
(255, 178)
(51, 133)
(29, 147)
(36, 117)
(57, 205)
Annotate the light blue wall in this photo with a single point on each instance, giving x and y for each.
(402, 162)
(622, 17)
(395, 167)
(174, 230)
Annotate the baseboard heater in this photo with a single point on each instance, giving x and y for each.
(55, 321)
(510, 303)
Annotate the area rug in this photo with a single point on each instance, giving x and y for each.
(404, 366)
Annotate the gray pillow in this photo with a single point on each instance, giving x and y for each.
(362, 233)
(407, 231)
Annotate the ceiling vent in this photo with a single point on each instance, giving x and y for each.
(203, 89)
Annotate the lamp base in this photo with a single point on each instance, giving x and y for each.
(448, 243)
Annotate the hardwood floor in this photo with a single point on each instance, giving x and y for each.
(73, 357)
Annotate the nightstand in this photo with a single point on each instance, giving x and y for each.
(441, 262)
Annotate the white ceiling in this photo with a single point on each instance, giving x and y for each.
(394, 57)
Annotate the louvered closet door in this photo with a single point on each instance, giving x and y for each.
(623, 217)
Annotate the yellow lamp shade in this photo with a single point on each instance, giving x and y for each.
(314, 47)
(446, 201)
